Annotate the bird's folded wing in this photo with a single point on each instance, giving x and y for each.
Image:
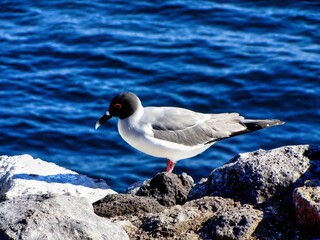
(190, 128)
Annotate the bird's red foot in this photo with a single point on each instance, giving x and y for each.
(170, 166)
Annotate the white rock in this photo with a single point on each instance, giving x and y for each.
(22, 175)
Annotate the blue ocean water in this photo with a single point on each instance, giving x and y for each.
(61, 62)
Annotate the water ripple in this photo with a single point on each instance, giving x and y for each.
(61, 62)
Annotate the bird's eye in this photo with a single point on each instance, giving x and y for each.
(117, 106)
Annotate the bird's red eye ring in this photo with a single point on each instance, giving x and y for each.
(117, 106)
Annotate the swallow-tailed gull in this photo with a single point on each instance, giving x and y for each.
(175, 133)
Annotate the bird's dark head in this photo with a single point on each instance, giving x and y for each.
(122, 106)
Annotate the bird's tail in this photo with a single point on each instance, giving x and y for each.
(253, 125)
(250, 125)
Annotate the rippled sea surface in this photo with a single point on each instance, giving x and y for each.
(61, 62)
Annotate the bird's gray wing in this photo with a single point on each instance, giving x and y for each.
(190, 128)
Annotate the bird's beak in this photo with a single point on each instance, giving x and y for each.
(103, 119)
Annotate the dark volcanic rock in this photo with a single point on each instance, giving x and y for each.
(307, 204)
(234, 222)
(115, 205)
(258, 176)
(168, 188)
(268, 180)
(199, 219)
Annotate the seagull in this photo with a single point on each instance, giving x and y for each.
(175, 133)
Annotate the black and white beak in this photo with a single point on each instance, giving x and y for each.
(103, 119)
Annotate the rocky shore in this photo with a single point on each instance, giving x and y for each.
(271, 194)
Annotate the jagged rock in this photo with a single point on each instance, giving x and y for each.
(34, 217)
(258, 176)
(307, 204)
(168, 188)
(21, 175)
(115, 205)
(235, 222)
(198, 219)
(172, 224)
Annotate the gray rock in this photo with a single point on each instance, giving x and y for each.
(198, 219)
(258, 176)
(234, 222)
(48, 217)
(172, 223)
(168, 188)
(115, 205)
(307, 204)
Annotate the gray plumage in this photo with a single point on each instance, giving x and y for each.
(190, 128)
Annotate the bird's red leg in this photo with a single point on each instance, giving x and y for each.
(170, 166)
